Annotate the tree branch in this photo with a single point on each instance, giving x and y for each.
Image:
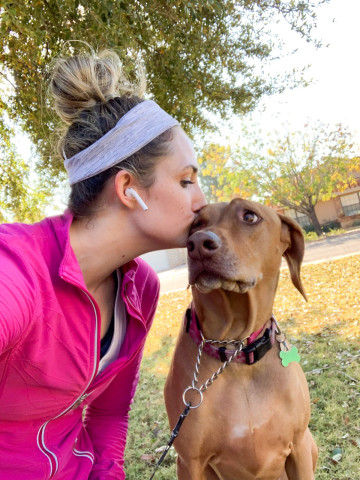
(4, 76)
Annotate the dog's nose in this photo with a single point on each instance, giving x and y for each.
(203, 244)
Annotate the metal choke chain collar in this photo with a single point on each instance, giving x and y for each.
(239, 344)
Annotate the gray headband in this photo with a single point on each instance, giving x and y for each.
(133, 131)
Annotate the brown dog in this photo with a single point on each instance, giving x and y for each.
(253, 422)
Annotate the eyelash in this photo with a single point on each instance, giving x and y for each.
(184, 183)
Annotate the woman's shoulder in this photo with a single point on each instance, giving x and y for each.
(146, 268)
(18, 233)
(32, 234)
(16, 238)
(28, 246)
(147, 275)
(143, 276)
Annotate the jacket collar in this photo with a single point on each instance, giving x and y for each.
(69, 268)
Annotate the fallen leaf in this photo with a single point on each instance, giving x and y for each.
(336, 455)
(148, 457)
(356, 442)
(161, 449)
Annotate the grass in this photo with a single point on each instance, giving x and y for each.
(326, 330)
(312, 236)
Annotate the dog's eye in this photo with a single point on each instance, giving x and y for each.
(250, 217)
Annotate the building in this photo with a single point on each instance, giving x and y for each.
(343, 207)
(166, 259)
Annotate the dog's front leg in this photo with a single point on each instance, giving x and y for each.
(300, 464)
(189, 469)
(192, 469)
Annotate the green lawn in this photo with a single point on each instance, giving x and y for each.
(326, 331)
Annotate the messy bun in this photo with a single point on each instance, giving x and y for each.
(91, 94)
(79, 83)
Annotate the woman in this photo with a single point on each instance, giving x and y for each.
(75, 302)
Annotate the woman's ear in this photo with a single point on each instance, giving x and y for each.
(126, 191)
(122, 181)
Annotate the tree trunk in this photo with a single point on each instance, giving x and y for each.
(315, 221)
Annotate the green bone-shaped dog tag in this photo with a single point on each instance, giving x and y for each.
(288, 356)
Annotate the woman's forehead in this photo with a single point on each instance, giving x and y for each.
(181, 157)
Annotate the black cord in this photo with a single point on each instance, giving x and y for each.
(174, 434)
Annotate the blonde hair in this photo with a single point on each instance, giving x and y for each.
(91, 93)
(80, 82)
(83, 82)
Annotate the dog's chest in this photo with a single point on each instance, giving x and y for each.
(255, 430)
(249, 449)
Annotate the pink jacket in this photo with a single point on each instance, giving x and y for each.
(49, 356)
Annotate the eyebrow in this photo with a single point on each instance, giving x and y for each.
(194, 169)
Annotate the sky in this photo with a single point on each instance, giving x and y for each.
(334, 93)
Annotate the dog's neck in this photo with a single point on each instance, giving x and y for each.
(228, 315)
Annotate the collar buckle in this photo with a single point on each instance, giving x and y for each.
(256, 350)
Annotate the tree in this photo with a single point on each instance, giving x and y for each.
(18, 201)
(301, 169)
(199, 56)
(218, 179)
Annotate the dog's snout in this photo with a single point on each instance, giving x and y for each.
(203, 244)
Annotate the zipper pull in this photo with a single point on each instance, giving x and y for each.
(79, 401)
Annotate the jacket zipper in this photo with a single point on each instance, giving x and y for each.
(51, 456)
(109, 373)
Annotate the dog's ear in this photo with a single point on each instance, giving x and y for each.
(292, 236)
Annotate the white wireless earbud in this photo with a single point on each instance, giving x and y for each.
(130, 192)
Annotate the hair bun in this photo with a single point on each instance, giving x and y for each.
(82, 81)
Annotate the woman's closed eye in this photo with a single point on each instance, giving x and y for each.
(186, 182)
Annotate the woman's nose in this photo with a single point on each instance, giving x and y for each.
(199, 200)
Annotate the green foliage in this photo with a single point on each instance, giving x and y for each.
(20, 199)
(310, 234)
(330, 226)
(198, 55)
(218, 180)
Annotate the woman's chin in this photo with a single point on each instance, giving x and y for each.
(178, 244)
(168, 244)
(180, 241)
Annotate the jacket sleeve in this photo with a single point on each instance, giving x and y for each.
(106, 419)
(17, 297)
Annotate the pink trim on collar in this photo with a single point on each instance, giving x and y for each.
(195, 334)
